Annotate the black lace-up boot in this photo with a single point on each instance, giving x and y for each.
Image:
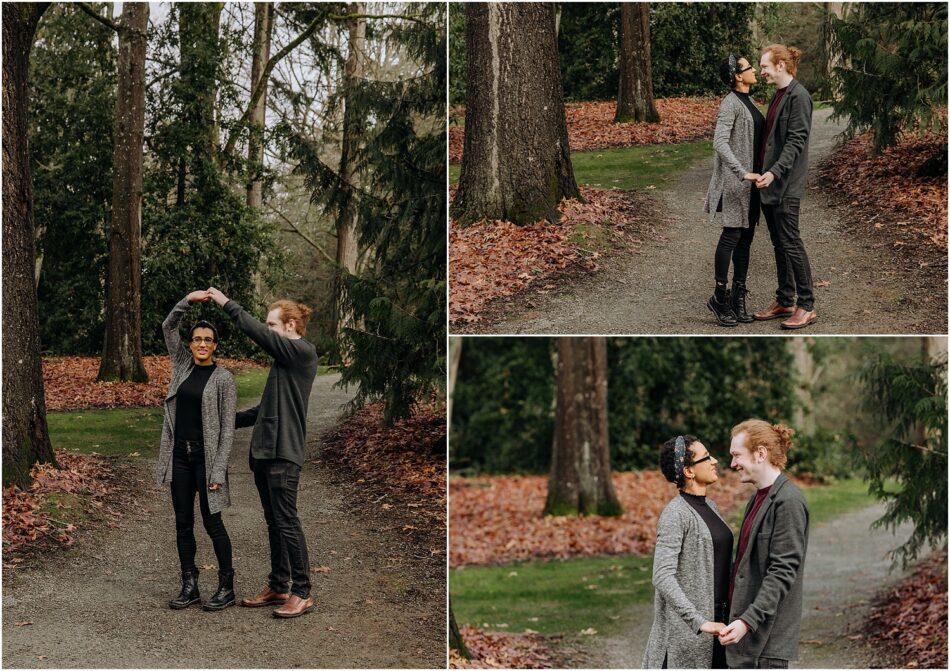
(738, 301)
(189, 591)
(224, 597)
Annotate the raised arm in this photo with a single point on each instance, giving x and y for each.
(279, 347)
(177, 350)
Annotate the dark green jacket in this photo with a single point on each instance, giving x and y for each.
(280, 420)
(786, 147)
(768, 590)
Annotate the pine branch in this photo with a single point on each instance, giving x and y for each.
(303, 235)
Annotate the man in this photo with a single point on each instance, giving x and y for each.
(785, 159)
(765, 592)
(278, 446)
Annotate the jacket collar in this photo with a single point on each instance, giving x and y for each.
(781, 103)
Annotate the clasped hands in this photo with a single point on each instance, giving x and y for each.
(207, 294)
(728, 634)
(761, 181)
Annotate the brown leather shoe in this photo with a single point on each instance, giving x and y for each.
(774, 311)
(295, 607)
(266, 597)
(800, 319)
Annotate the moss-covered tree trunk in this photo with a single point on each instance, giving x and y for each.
(122, 344)
(580, 480)
(25, 434)
(635, 98)
(516, 164)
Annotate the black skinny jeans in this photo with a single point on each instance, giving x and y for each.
(791, 260)
(188, 478)
(735, 245)
(277, 481)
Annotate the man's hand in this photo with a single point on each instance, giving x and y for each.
(214, 487)
(712, 627)
(733, 633)
(217, 296)
(752, 176)
(198, 296)
(765, 180)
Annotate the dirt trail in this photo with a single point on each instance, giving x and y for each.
(663, 288)
(844, 568)
(104, 604)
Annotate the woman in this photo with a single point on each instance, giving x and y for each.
(691, 565)
(195, 446)
(732, 193)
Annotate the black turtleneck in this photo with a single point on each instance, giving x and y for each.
(722, 544)
(759, 123)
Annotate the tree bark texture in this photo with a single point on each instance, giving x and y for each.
(25, 434)
(580, 480)
(198, 27)
(263, 24)
(122, 345)
(347, 250)
(516, 164)
(805, 373)
(635, 98)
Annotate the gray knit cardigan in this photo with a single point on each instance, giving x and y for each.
(733, 141)
(218, 403)
(683, 582)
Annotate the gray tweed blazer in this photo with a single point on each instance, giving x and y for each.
(218, 403)
(683, 600)
(734, 141)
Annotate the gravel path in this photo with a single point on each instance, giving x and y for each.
(663, 288)
(104, 604)
(844, 568)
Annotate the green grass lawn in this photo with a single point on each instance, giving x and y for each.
(551, 597)
(556, 597)
(131, 431)
(631, 167)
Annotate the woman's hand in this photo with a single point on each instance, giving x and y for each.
(712, 627)
(213, 487)
(198, 296)
(752, 176)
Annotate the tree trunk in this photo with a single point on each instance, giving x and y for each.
(122, 346)
(805, 368)
(347, 251)
(516, 164)
(455, 636)
(580, 481)
(198, 27)
(25, 434)
(263, 22)
(635, 99)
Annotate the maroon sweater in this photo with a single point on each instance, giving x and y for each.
(770, 121)
(745, 533)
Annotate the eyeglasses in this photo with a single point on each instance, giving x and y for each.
(199, 340)
(706, 458)
(739, 72)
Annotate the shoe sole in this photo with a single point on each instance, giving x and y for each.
(783, 315)
(795, 328)
(187, 605)
(279, 602)
(217, 608)
(288, 617)
(719, 321)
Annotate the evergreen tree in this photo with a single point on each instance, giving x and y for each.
(397, 345)
(893, 74)
(911, 401)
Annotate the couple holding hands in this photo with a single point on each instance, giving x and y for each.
(197, 435)
(761, 165)
(713, 610)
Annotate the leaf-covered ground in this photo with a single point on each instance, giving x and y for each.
(496, 259)
(499, 650)
(590, 125)
(497, 519)
(70, 383)
(91, 487)
(886, 198)
(910, 620)
(400, 470)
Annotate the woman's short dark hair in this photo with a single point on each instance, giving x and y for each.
(667, 465)
(728, 69)
(203, 324)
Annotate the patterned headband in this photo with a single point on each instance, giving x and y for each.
(679, 459)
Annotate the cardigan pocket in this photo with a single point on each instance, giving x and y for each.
(265, 432)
